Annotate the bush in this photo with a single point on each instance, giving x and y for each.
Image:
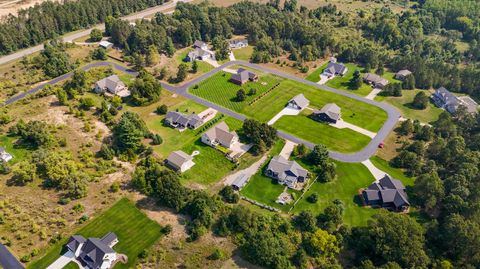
(167, 229)
(162, 110)
(229, 195)
(252, 91)
(217, 254)
(25, 258)
(157, 139)
(313, 198)
(83, 219)
(143, 254)
(115, 187)
(64, 201)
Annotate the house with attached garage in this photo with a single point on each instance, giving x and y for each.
(402, 74)
(4, 155)
(112, 85)
(387, 193)
(243, 76)
(335, 69)
(330, 113)
(180, 161)
(198, 44)
(199, 54)
(220, 135)
(448, 101)
(181, 121)
(375, 80)
(298, 102)
(94, 253)
(287, 172)
(238, 43)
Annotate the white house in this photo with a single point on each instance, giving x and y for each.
(113, 85)
(238, 43)
(105, 44)
(200, 45)
(180, 161)
(4, 155)
(95, 253)
(220, 135)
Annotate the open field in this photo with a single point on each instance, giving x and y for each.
(135, 232)
(404, 104)
(341, 140)
(351, 177)
(243, 53)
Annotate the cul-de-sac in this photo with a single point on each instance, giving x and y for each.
(239, 134)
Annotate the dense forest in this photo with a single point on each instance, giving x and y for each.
(48, 20)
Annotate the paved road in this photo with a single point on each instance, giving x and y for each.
(72, 36)
(360, 156)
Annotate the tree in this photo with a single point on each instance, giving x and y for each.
(182, 72)
(322, 244)
(305, 221)
(356, 81)
(290, 5)
(229, 195)
(62, 96)
(261, 135)
(325, 168)
(55, 61)
(24, 173)
(420, 101)
(152, 57)
(406, 127)
(194, 67)
(221, 47)
(332, 216)
(34, 133)
(146, 89)
(252, 92)
(241, 95)
(429, 191)
(157, 139)
(96, 35)
(409, 82)
(169, 47)
(129, 132)
(162, 109)
(99, 54)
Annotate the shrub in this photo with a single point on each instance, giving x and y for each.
(115, 187)
(143, 254)
(25, 258)
(229, 195)
(162, 110)
(217, 254)
(83, 219)
(167, 229)
(313, 198)
(64, 201)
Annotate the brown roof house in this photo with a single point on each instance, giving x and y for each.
(286, 172)
(180, 161)
(402, 74)
(95, 253)
(388, 193)
(243, 76)
(329, 113)
(375, 80)
(298, 102)
(220, 135)
(112, 85)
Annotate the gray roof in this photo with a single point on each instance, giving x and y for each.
(300, 101)
(178, 158)
(93, 252)
(387, 190)
(221, 134)
(331, 110)
(335, 68)
(243, 75)
(375, 79)
(240, 181)
(447, 99)
(285, 168)
(75, 241)
(237, 41)
(198, 52)
(404, 73)
(7, 260)
(109, 238)
(111, 83)
(199, 43)
(469, 103)
(180, 118)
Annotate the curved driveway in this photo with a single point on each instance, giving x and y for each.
(359, 156)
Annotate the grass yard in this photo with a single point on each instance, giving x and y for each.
(343, 83)
(341, 140)
(203, 67)
(404, 104)
(315, 75)
(219, 90)
(351, 177)
(18, 153)
(71, 265)
(243, 53)
(394, 172)
(136, 232)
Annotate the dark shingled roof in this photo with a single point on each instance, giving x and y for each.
(93, 252)
(387, 190)
(7, 260)
(75, 241)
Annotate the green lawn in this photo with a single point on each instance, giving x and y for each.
(220, 90)
(394, 172)
(203, 67)
(135, 231)
(342, 140)
(351, 177)
(343, 83)
(243, 53)
(315, 75)
(18, 152)
(71, 265)
(404, 104)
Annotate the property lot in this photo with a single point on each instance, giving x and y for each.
(135, 231)
(243, 53)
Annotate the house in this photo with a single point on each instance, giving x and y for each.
(200, 45)
(8, 260)
(240, 182)
(94, 253)
(105, 44)
(335, 69)
(388, 193)
(446, 100)
(220, 135)
(199, 54)
(181, 121)
(298, 102)
(238, 43)
(4, 155)
(375, 80)
(243, 76)
(329, 113)
(286, 172)
(402, 74)
(113, 85)
(180, 161)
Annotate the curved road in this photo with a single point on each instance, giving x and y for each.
(72, 36)
(359, 156)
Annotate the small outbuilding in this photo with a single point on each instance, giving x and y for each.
(330, 113)
(105, 44)
(4, 155)
(298, 102)
(180, 161)
(240, 182)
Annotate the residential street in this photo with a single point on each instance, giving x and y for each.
(360, 156)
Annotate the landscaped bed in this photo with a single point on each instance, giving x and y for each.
(135, 231)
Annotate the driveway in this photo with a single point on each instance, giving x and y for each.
(341, 124)
(62, 261)
(287, 149)
(324, 79)
(373, 93)
(377, 173)
(211, 62)
(287, 111)
(231, 56)
(250, 171)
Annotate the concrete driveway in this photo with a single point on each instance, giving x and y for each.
(341, 124)
(377, 173)
(287, 149)
(288, 111)
(373, 93)
(63, 260)
(250, 171)
(324, 79)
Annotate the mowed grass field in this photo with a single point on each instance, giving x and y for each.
(243, 53)
(343, 83)
(221, 91)
(341, 140)
(351, 177)
(135, 231)
(315, 75)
